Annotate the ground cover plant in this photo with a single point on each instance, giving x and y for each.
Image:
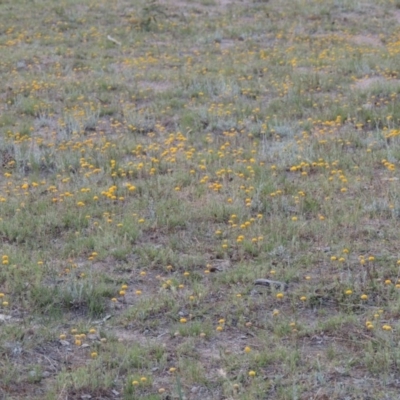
(157, 158)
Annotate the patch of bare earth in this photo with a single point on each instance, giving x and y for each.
(227, 44)
(370, 40)
(367, 82)
(157, 87)
(52, 356)
(88, 393)
(396, 15)
(198, 6)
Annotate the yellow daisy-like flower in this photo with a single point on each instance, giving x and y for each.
(386, 327)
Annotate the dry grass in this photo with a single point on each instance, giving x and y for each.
(159, 157)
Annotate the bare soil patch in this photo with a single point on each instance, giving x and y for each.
(369, 40)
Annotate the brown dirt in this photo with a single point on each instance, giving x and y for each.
(370, 40)
(365, 83)
(157, 87)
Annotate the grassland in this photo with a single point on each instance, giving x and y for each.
(159, 157)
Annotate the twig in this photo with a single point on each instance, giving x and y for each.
(111, 39)
(269, 283)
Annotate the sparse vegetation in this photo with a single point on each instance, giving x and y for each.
(157, 158)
